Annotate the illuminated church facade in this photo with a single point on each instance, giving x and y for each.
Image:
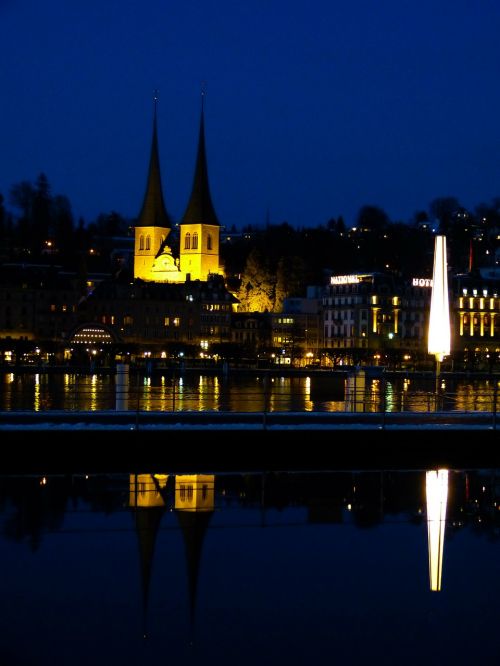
(198, 257)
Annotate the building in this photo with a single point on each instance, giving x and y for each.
(198, 255)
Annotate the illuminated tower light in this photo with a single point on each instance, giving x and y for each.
(439, 321)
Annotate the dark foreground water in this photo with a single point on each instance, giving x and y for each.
(250, 569)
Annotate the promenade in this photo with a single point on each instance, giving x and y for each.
(131, 441)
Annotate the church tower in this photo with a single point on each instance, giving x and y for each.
(153, 224)
(199, 237)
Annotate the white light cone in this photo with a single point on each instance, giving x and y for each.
(439, 321)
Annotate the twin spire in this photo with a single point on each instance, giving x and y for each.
(154, 213)
(200, 207)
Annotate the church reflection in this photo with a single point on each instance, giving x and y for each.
(161, 524)
(193, 504)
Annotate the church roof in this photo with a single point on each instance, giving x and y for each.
(153, 212)
(200, 208)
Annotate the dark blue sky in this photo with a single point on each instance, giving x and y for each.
(313, 107)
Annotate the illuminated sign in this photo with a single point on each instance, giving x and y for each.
(421, 282)
(344, 279)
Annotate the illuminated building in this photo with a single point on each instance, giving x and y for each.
(199, 227)
(157, 317)
(476, 306)
(367, 316)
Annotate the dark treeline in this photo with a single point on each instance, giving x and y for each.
(266, 264)
(42, 229)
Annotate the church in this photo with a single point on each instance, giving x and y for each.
(199, 227)
(175, 305)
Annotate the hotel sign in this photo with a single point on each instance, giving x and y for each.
(421, 282)
(345, 279)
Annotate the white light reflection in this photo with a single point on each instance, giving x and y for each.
(437, 497)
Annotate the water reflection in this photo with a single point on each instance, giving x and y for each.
(244, 393)
(437, 497)
(276, 567)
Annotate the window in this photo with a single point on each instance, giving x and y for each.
(195, 241)
(141, 243)
(186, 493)
(148, 242)
(209, 242)
(187, 241)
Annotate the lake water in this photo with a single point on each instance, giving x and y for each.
(244, 569)
(245, 392)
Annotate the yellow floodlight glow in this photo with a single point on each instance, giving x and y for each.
(437, 497)
(439, 321)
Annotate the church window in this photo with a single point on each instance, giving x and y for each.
(148, 242)
(195, 241)
(187, 241)
(141, 242)
(209, 242)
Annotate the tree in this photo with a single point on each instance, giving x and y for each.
(443, 209)
(42, 222)
(257, 289)
(64, 235)
(372, 218)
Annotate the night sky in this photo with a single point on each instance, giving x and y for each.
(313, 108)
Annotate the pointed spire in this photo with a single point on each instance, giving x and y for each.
(154, 213)
(200, 208)
(194, 525)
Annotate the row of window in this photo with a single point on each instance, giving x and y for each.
(191, 241)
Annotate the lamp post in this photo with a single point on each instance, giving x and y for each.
(439, 320)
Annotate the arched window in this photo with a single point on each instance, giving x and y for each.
(141, 242)
(187, 241)
(148, 242)
(209, 242)
(195, 241)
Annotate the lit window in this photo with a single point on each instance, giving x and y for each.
(141, 243)
(187, 241)
(209, 242)
(195, 241)
(148, 242)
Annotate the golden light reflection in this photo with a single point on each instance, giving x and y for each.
(308, 405)
(145, 490)
(93, 393)
(194, 492)
(202, 392)
(37, 401)
(216, 391)
(436, 496)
